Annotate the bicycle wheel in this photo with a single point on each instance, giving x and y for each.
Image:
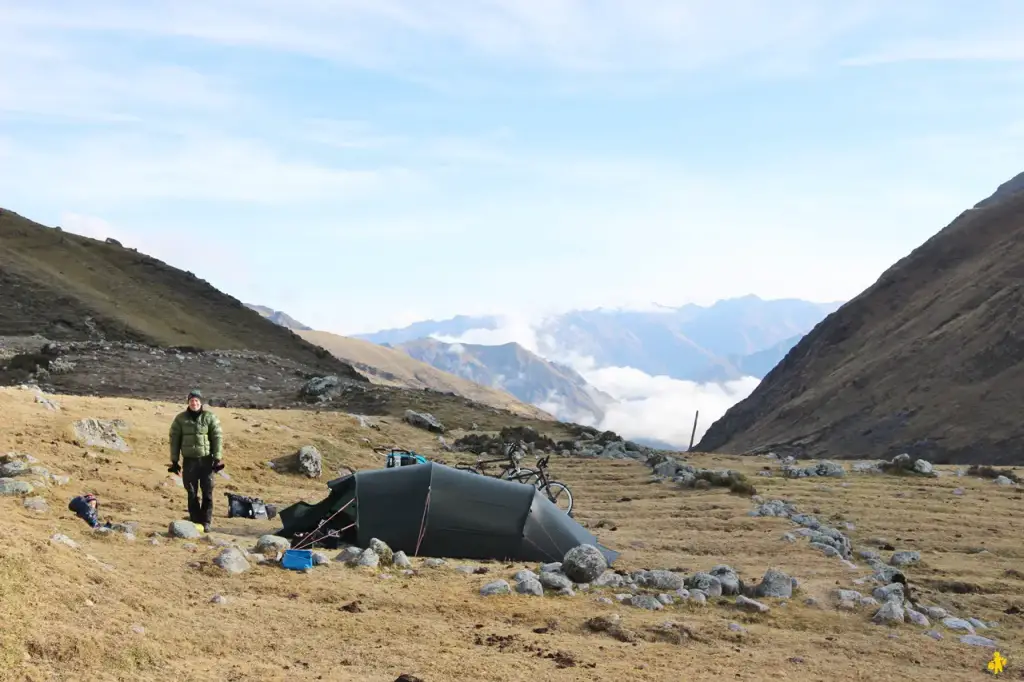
(559, 494)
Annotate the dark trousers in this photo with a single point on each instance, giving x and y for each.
(197, 475)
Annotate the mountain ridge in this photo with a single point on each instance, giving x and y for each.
(913, 363)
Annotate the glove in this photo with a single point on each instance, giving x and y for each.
(218, 465)
(174, 468)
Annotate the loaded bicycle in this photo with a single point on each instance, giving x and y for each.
(512, 470)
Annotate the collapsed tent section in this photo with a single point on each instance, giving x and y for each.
(438, 511)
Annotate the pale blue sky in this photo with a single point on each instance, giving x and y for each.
(367, 163)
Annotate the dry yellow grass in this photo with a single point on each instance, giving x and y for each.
(390, 367)
(66, 616)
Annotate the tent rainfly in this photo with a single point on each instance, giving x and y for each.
(437, 511)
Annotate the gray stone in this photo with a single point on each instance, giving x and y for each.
(847, 595)
(530, 586)
(891, 612)
(657, 580)
(14, 467)
(36, 504)
(827, 550)
(584, 563)
(383, 552)
(934, 634)
(434, 562)
(349, 555)
(310, 462)
(748, 604)
(555, 581)
(554, 567)
(232, 560)
(320, 559)
(218, 599)
(61, 539)
(525, 574)
(183, 529)
(610, 579)
(272, 544)
(645, 601)
(891, 592)
(12, 487)
(698, 597)
(731, 583)
(424, 420)
(978, 624)
(917, 618)
(869, 554)
(400, 560)
(775, 584)
(923, 466)
(100, 433)
(1002, 480)
(936, 612)
(706, 583)
(904, 558)
(978, 640)
(666, 599)
(368, 559)
(958, 624)
(495, 588)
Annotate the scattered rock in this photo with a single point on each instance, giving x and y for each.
(905, 558)
(232, 560)
(706, 583)
(776, 584)
(655, 580)
(978, 640)
(434, 562)
(368, 559)
(384, 553)
(555, 581)
(891, 612)
(400, 560)
(645, 601)
(730, 581)
(999, 480)
(748, 604)
(958, 624)
(61, 539)
(917, 618)
(530, 586)
(36, 504)
(349, 555)
(218, 599)
(183, 529)
(495, 588)
(272, 544)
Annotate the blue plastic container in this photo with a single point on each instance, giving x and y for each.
(297, 559)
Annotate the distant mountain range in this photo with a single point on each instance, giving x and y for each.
(731, 339)
(553, 387)
(728, 340)
(279, 317)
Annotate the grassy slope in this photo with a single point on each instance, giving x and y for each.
(394, 368)
(66, 617)
(53, 279)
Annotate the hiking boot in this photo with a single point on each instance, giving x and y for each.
(206, 528)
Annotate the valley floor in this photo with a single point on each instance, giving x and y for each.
(115, 609)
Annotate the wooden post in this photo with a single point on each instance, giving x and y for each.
(694, 432)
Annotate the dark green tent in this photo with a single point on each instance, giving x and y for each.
(438, 511)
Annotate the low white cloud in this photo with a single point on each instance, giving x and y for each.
(635, 404)
(661, 407)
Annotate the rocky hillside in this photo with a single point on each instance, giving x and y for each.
(510, 367)
(929, 360)
(66, 287)
(391, 367)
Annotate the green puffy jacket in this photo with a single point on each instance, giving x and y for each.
(196, 435)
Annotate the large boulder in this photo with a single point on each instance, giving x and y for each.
(584, 564)
(183, 529)
(232, 560)
(100, 433)
(424, 420)
(310, 462)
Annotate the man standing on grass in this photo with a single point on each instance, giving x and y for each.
(196, 436)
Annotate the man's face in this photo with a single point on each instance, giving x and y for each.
(194, 403)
